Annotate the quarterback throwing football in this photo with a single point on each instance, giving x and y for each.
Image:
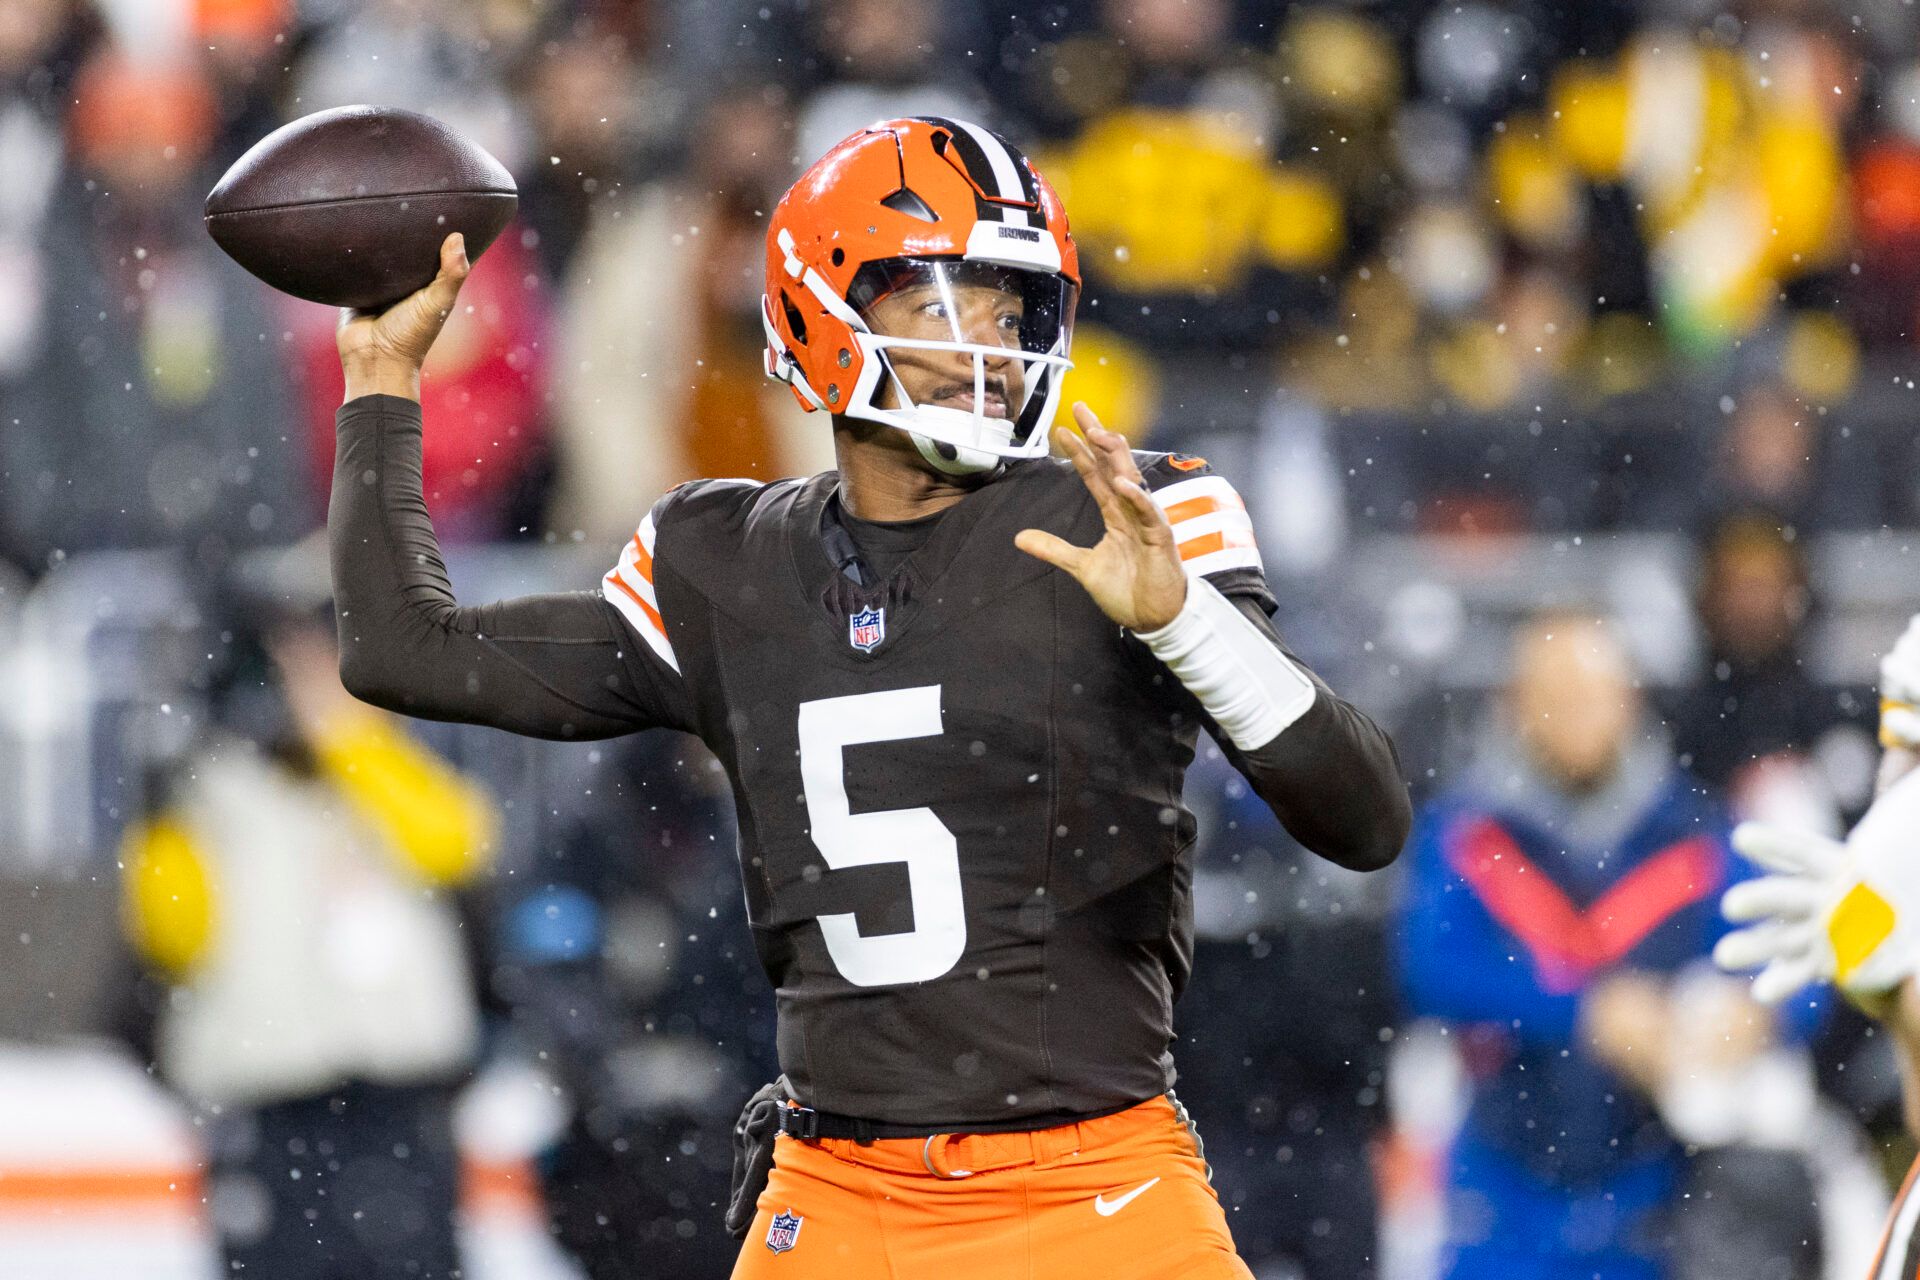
(955, 685)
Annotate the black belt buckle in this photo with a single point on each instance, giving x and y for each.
(800, 1122)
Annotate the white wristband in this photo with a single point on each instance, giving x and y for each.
(1239, 675)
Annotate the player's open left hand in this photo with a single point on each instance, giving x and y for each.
(400, 337)
(1133, 573)
(1846, 912)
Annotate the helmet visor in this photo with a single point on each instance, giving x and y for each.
(963, 336)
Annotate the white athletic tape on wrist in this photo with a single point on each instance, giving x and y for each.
(1239, 675)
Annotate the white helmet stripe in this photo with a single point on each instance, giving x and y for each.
(1006, 175)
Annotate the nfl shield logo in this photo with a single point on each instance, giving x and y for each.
(867, 628)
(785, 1231)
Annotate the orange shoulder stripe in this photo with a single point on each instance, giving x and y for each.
(642, 559)
(653, 615)
(1203, 505)
(1219, 540)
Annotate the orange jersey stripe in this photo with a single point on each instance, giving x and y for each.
(653, 615)
(1203, 506)
(642, 560)
(1206, 543)
(113, 1185)
(509, 1185)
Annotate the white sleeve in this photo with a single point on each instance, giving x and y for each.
(1250, 688)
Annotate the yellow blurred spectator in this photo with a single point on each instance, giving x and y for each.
(403, 804)
(1186, 200)
(1339, 63)
(292, 890)
(1737, 172)
(1535, 190)
(1117, 380)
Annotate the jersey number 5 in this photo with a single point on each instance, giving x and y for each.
(916, 837)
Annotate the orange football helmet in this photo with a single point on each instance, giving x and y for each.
(934, 202)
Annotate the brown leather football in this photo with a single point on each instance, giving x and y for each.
(348, 207)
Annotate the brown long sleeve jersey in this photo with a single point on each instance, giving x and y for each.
(965, 856)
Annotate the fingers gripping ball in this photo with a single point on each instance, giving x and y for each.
(1849, 913)
(349, 207)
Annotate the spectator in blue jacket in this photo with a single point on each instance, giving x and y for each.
(1560, 898)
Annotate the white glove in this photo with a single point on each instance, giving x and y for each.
(1900, 692)
(1846, 912)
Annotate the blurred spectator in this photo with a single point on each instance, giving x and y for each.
(1557, 896)
(1749, 728)
(1738, 186)
(603, 117)
(1194, 242)
(322, 1009)
(1885, 295)
(40, 41)
(151, 409)
(879, 60)
(1287, 1102)
(626, 961)
(660, 333)
(443, 57)
(1768, 459)
(247, 45)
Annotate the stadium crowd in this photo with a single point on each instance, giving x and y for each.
(1468, 280)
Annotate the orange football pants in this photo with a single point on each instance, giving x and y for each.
(1123, 1197)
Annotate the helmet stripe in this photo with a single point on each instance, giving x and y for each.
(999, 175)
(1006, 170)
(995, 167)
(1028, 187)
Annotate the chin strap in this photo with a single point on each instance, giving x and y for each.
(953, 459)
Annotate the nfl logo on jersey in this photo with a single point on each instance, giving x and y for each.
(784, 1233)
(867, 628)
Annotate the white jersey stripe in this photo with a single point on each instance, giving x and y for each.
(637, 619)
(1225, 558)
(629, 591)
(1198, 487)
(629, 573)
(1228, 517)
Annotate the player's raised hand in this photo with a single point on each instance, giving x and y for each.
(383, 352)
(1784, 913)
(1848, 912)
(1133, 573)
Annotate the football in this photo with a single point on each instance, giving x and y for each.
(348, 207)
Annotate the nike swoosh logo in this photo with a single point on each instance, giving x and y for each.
(1107, 1208)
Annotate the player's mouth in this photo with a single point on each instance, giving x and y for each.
(993, 404)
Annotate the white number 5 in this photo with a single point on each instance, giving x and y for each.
(916, 837)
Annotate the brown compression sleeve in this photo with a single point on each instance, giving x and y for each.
(549, 666)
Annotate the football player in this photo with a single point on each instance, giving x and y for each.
(1850, 914)
(955, 685)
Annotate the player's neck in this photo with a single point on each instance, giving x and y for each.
(883, 478)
